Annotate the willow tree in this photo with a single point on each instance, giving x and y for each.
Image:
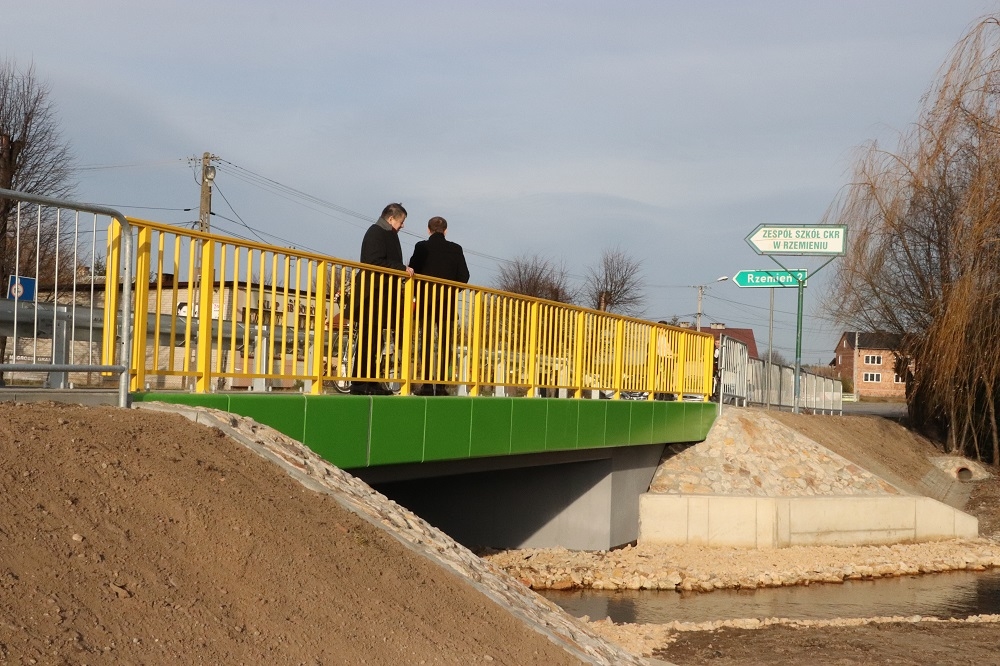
(923, 255)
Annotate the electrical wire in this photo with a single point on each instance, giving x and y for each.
(126, 206)
(252, 230)
(317, 204)
(134, 165)
(338, 212)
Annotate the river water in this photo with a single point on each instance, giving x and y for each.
(945, 595)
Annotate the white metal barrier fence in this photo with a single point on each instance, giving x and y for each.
(744, 380)
(733, 359)
(55, 264)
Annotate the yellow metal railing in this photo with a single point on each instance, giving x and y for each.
(285, 319)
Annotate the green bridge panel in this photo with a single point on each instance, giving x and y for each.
(364, 431)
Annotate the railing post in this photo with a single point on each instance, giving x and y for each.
(619, 357)
(203, 362)
(140, 314)
(111, 286)
(320, 357)
(533, 349)
(578, 351)
(708, 347)
(475, 344)
(406, 361)
(651, 363)
(680, 366)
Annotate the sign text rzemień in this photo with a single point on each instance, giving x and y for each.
(817, 239)
(771, 278)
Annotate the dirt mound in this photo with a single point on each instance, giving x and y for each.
(880, 445)
(140, 537)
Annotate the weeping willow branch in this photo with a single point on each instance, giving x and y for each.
(924, 254)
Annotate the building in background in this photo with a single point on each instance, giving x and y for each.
(717, 330)
(870, 362)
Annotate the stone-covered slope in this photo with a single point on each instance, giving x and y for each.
(748, 453)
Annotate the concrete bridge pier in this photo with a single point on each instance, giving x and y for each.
(581, 500)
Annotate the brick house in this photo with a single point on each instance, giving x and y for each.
(869, 361)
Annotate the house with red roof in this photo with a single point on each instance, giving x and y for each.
(744, 335)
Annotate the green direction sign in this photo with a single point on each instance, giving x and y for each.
(771, 278)
(802, 239)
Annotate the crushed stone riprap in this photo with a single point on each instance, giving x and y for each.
(703, 568)
(748, 453)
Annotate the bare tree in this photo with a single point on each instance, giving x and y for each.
(615, 283)
(534, 275)
(33, 156)
(923, 256)
(775, 357)
(33, 159)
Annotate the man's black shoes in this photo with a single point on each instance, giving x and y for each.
(361, 388)
(369, 388)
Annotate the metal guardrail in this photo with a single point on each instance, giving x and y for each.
(210, 313)
(52, 316)
(734, 362)
(301, 320)
(744, 380)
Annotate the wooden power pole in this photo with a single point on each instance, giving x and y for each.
(207, 176)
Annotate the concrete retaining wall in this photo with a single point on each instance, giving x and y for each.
(777, 522)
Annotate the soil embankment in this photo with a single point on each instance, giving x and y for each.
(139, 537)
(130, 536)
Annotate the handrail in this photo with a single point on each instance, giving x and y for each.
(291, 312)
(122, 252)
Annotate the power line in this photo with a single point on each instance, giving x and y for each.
(298, 196)
(134, 165)
(223, 195)
(126, 206)
(337, 211)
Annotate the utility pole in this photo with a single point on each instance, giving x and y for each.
(701, 292)
(204, 223)
(207, 176)
(770, 349)
(697, 319)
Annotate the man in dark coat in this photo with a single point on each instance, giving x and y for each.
(440, 258)
(377, 295)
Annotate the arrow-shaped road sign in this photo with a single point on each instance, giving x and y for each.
(815, 239)
(771, 278)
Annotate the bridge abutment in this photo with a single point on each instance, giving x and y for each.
(581, 500)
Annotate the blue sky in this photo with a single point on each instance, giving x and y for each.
(670, 129)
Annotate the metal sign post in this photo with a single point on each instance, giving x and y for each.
(799, 240)
(771, 279)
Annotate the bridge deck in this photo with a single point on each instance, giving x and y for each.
(362, 431)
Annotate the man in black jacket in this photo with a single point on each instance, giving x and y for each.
(378, 295)
(440, 258)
